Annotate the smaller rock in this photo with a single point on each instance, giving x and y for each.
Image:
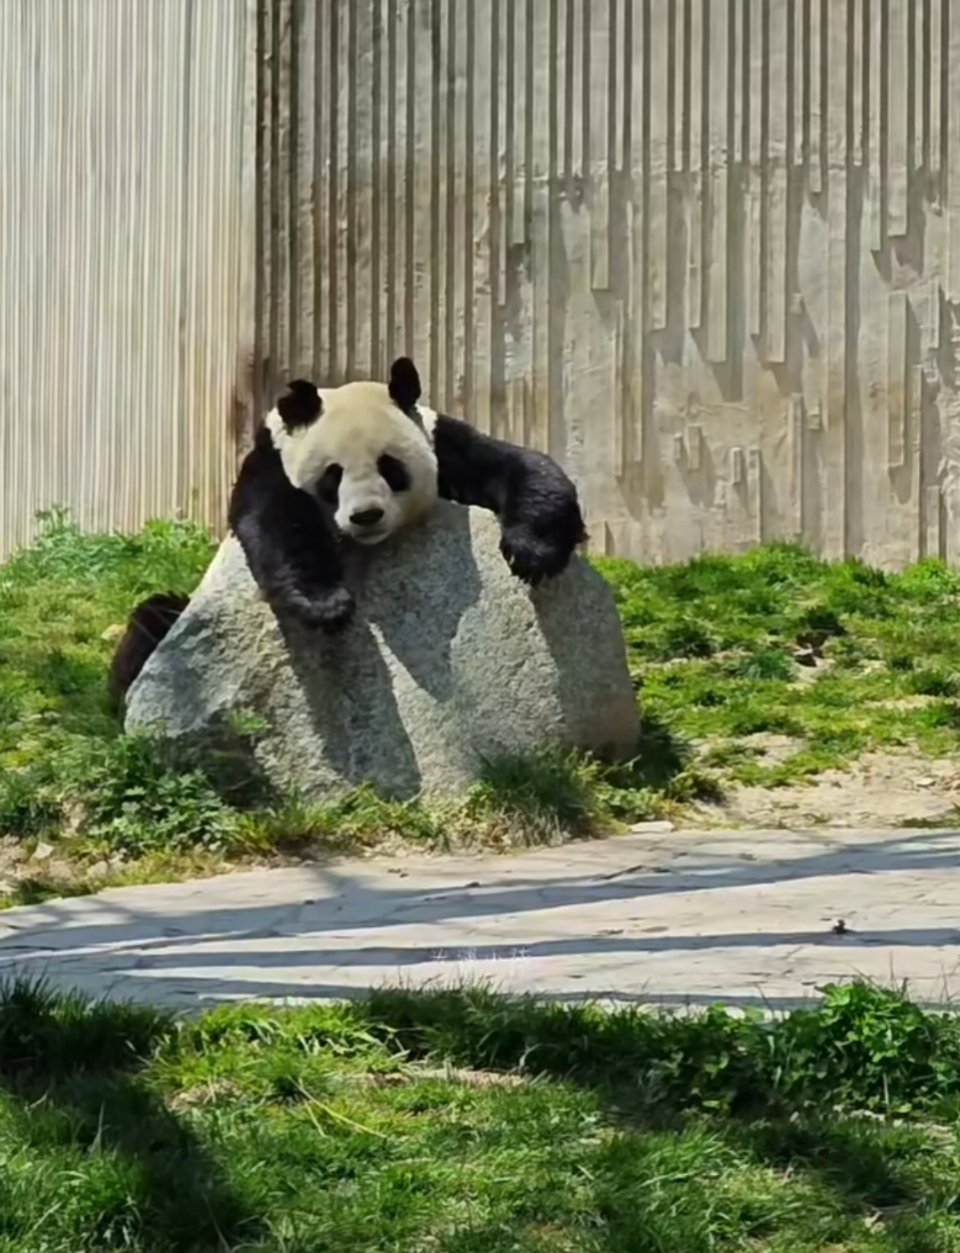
(98, 870)
(926, 781)
(43, 851)
(656, 827)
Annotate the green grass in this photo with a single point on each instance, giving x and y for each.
(712, 647)
(461, 1122)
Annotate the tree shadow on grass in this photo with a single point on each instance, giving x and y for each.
(667, 1075)
(866, 1162)
(71, 1073)
(77, 1098)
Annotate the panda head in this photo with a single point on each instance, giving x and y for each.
(361, 449)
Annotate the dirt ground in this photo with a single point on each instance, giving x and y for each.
(899, 789)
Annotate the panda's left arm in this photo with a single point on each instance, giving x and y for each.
(534, 499)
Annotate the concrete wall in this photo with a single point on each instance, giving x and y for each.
(121, 126)
(707, 252)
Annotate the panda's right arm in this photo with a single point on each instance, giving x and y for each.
(290, 544)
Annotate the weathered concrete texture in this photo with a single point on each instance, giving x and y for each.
(451, 661)
(744, 918)
(716, 271)
(714, 268)
(127, 349)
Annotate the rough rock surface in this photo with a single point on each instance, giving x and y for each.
(451, 660)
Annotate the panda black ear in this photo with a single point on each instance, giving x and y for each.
(404, 384)
(299, 405)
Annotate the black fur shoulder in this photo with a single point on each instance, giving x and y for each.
(261, 477)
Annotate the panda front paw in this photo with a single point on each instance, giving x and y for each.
(329, 610)
(531, 557)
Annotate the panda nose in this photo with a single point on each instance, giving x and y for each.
(366, 517)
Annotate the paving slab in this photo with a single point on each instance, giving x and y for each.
(676, 919)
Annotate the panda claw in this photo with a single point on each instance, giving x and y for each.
(530, 559)
(335, 611)
(329, 611)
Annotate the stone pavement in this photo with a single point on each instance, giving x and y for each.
(747, 918)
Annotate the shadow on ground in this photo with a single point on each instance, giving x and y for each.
(167, 945)
(71, 1083)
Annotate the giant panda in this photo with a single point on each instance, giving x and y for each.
(356, 464)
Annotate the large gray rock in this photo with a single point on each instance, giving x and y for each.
(450, 661)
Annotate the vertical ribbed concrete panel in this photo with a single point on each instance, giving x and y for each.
(120, 222)
(706, 252)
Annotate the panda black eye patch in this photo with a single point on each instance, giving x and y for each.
(393, 472)
(329, 484)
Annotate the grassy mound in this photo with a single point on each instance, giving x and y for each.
(839, 658)
(69, 778)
